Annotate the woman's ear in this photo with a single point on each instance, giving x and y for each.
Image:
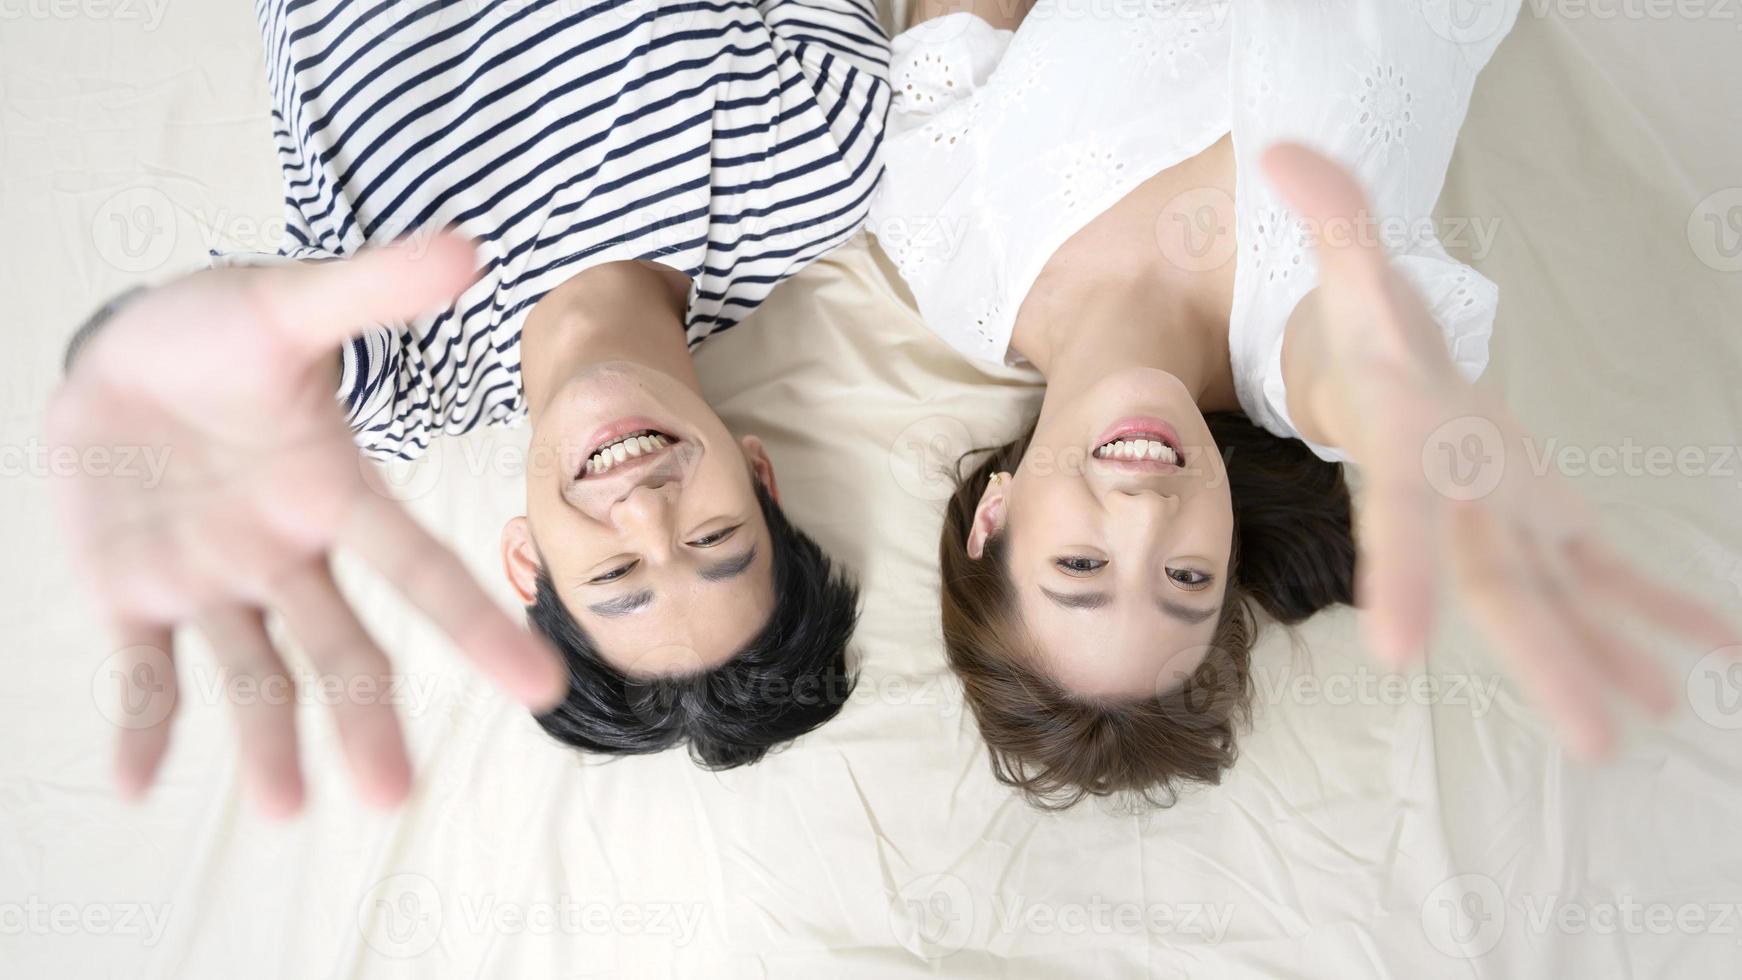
(988, 515)
(760, 466)
(520, 559)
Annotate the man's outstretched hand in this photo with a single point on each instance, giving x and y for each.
(1520, 548)
(228, 376)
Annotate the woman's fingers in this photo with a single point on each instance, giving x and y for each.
(1328, 196)
(319, 305)
(144, 673)
(1395, 587)
(1509, 599)
(1610, 578)
(341, 651)
(432, 577)
(1628, 668)
(262, 697)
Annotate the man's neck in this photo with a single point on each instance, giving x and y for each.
(620, 311)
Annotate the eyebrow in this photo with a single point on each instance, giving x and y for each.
(1077, 600)
(1096, 600)
(1186, 614)
(729, 569)
(623, 605)
(634, 602)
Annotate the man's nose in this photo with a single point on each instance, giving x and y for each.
(644, 515)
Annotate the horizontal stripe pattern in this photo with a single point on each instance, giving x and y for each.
(734, 141)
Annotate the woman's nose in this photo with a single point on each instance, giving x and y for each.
(1141, 506)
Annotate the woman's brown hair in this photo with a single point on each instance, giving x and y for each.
(1293, 553)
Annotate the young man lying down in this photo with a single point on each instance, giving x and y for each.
(622, 180)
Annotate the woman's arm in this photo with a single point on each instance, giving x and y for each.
(1448, 492)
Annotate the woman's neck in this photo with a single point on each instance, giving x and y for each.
(620, 311)
(1081, 331)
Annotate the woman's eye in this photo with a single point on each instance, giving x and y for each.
(713, 539)
(612, 575)
(1077, 565)
(1188, 578)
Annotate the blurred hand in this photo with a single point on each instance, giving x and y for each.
(1447, 491)
(229, 376)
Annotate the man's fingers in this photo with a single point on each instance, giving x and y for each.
(144, 673)
(340, 648)
(1512, 604)
(1609, 577)
(427, 573)
(1395, 581)
(262, 698)
(319, 305)
(1328, 197)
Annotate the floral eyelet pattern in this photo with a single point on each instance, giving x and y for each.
(1385, 107)
(1087, 174)
(927, 81)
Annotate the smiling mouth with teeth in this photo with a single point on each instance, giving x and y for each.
(1139, 447)
(646, 442)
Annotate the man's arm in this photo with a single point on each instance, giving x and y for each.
(227, 376)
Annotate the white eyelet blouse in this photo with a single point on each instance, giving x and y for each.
(1000, 146)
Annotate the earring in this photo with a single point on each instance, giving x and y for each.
(995, 479)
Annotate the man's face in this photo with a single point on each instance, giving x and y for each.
(641, 508)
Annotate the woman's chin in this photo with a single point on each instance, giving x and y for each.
(1136, 391)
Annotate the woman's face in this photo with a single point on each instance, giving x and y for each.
(1118, 527)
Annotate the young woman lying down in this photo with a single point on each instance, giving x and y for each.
(1202, 222)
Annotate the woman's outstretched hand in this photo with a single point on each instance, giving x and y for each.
(228, 377)
(1447, 490)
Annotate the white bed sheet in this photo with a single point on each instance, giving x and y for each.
(1361, 834)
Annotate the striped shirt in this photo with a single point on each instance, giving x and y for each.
(731, 140)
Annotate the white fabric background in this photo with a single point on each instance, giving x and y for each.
(881, 846)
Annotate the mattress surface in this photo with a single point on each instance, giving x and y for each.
(1423, 825)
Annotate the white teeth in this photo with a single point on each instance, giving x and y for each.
(1135, 449)
(625, 448)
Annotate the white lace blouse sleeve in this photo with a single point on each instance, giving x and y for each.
(1383, 86)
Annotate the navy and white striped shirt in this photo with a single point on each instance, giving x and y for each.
(732, 140)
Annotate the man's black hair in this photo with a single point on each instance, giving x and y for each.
(792, 677)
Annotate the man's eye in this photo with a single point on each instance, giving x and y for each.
(1190, 578)
(1078, 565)
(713, 539)
(614, 574)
